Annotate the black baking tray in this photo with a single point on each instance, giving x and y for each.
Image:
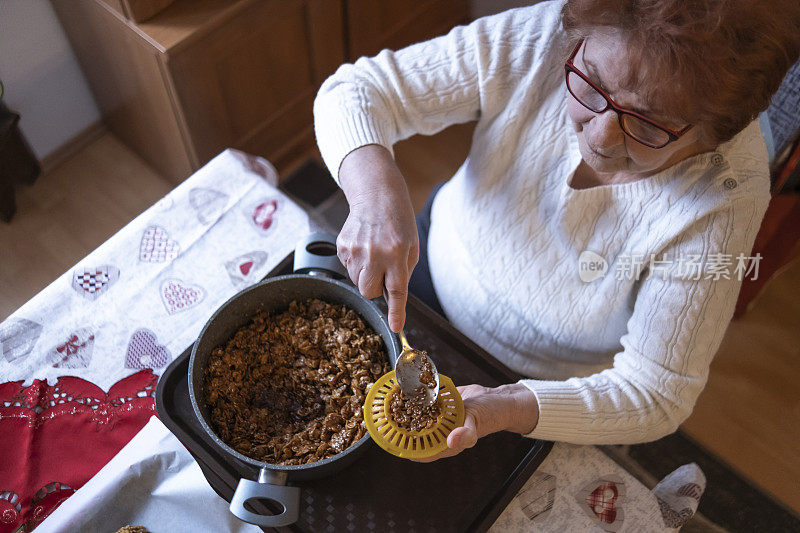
(379, 491)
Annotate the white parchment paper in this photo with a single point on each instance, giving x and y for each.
(152, 482)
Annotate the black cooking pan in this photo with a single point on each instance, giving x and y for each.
(317, 275)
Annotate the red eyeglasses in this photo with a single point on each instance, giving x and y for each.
(637, 126)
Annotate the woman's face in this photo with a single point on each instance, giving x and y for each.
(603, 144)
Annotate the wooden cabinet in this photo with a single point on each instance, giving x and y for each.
(138, 10)
(203, 75)
(254, 79)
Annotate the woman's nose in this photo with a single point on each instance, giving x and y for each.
(605, 132)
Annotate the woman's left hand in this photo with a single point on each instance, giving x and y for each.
(488, 410)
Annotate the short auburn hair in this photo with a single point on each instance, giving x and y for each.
(712, 63)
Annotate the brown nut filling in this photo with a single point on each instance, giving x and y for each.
(413, 416)
(289, 388)
(426, 373)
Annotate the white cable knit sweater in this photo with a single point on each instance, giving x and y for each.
(618, 360)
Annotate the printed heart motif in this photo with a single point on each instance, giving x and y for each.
(537, 496)
(257, 165)
(92, 282)
(18, 336)
(157, 247)
(243, 268)
(179, 296)
(208, 204)
(76, 352)
(601, 500)
(678, 494)
(671, 517)
(145, 352)
(691, 490)
(263, 214)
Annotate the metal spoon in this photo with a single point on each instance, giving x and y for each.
(411, 368)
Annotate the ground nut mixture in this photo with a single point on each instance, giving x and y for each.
(426, 376)
(413, 416)
(290, 388)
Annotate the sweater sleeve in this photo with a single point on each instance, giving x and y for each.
(676, 327)
(430, 85)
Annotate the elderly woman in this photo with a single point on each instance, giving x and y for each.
(616, 167)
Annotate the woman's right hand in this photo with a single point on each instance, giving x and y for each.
(378, 243)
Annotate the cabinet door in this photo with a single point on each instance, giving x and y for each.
(375, 25)
(127, 83)
(250, 83)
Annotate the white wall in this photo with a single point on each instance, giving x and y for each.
(43, 82)
(481, 8)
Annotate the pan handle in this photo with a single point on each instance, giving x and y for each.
(315, 255)
(271, 486)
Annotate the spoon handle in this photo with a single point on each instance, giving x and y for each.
(404, 341)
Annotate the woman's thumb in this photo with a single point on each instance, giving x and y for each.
(465, 436)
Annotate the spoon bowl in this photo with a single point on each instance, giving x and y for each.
(416, 374)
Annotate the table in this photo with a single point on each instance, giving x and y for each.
(79, 363)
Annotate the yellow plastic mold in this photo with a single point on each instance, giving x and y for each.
(403, 442)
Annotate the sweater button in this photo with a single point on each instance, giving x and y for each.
(730, 184)
(716, 159)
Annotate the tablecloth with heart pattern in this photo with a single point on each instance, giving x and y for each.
(79, 362)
